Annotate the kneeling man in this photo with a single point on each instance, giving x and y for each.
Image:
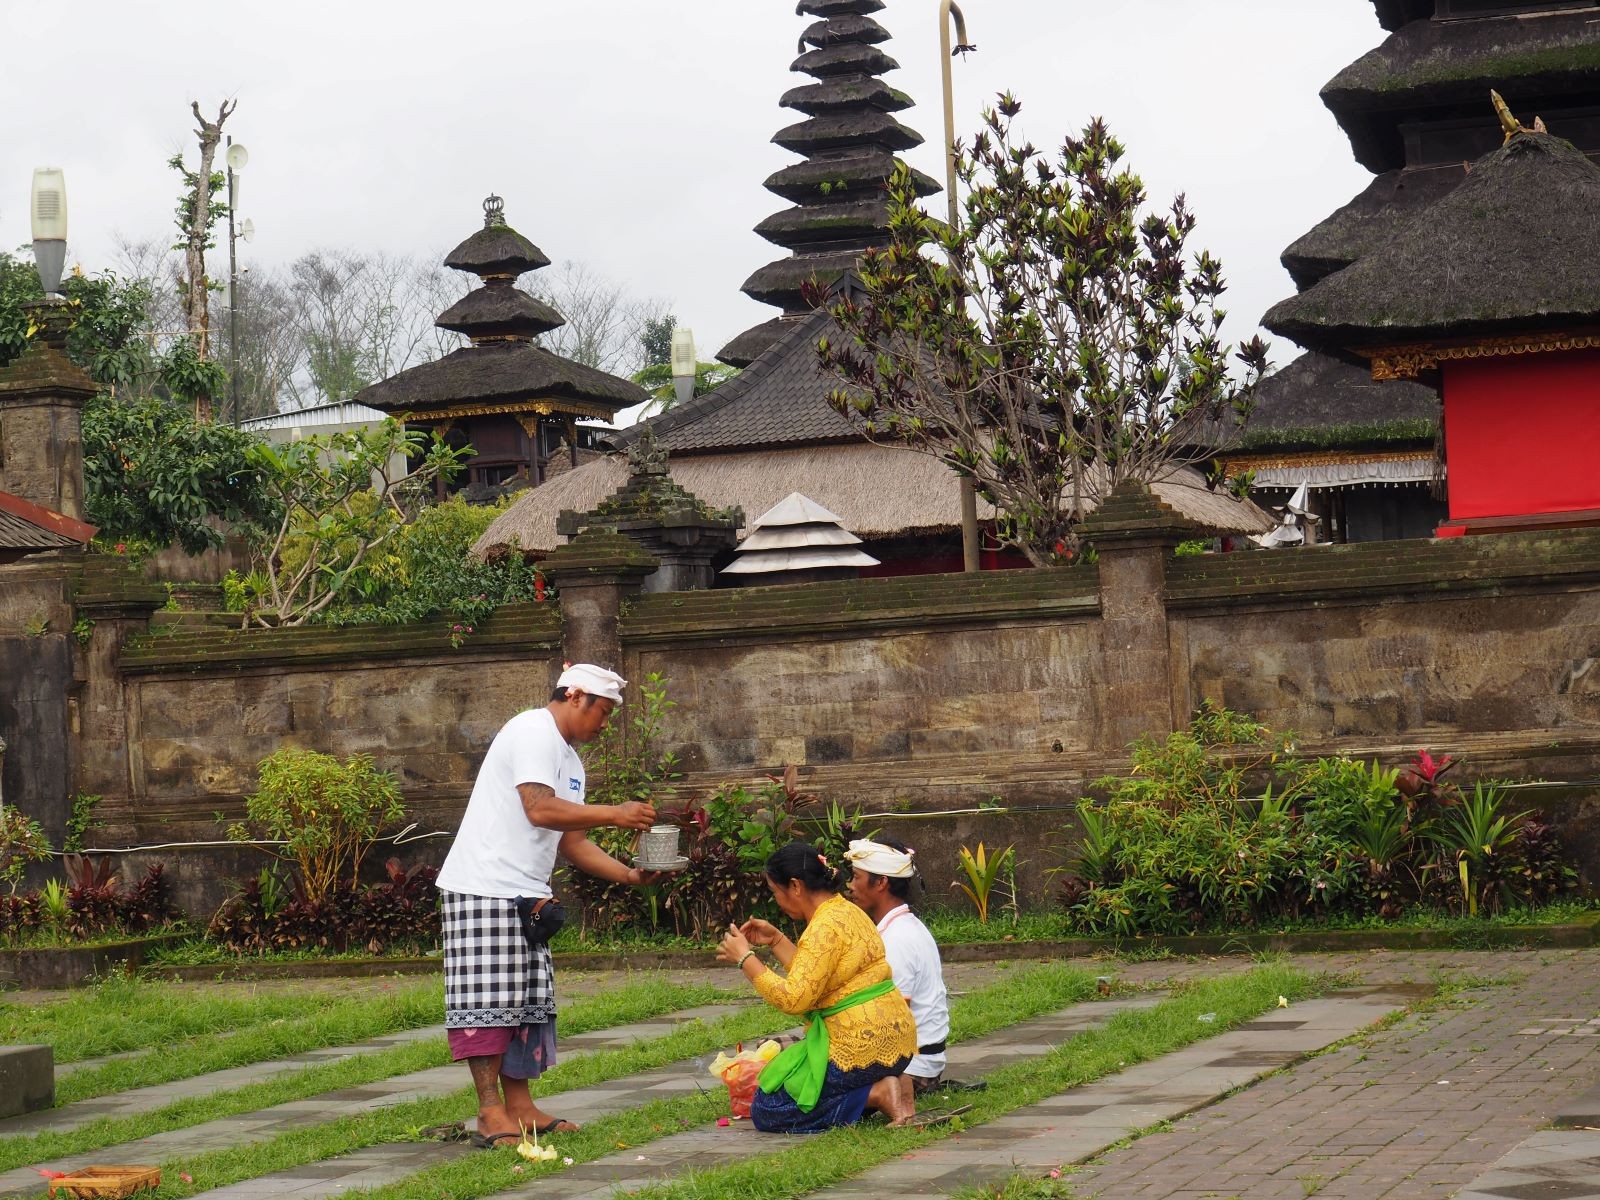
(880, 885)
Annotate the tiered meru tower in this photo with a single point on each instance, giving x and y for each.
(849, 141)
(514, 402)
(1416, 111)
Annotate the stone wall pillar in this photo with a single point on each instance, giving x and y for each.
(42, 395)
(594, 574)
(1134, 534)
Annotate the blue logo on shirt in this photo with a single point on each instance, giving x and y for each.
(574, 785)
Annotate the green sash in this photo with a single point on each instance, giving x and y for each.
(800, 1069)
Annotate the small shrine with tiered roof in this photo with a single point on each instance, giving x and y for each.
(849, 140)
(515, 403)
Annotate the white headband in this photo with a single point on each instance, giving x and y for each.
(593, 681)
(877, 859)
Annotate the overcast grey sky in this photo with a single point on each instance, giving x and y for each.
(633, 135)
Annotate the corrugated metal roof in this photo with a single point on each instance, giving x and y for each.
(25, 525)
(345, 412)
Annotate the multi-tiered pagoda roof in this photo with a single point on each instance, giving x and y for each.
(1415, 111)
(504, 370)
(849, 140)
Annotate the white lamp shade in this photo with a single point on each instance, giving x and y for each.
(237, 157)
(683, 360)
(49, 204)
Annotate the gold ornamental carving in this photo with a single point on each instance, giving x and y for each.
(1407, 362)
(544, 408)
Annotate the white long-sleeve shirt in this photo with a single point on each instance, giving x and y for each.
(914, 962)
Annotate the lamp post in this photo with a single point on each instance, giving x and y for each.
(684, 365)
(236, 157)
(950, 13)
(48, 205)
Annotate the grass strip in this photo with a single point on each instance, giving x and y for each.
(1024, 995)
(386, 1009)
(119, 1014)
(1128, 1037)
(622, 1005)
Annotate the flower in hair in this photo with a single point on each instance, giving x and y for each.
(823, 859)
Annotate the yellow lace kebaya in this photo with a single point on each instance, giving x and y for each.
(839, 954)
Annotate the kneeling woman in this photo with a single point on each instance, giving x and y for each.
(859, 1033)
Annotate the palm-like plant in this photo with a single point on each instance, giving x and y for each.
(982, 871)
(1474, 837)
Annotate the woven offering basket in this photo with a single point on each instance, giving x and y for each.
(107, 1183)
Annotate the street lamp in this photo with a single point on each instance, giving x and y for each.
(236, 156)
(684, 366)
(48, 205)
(950, 12)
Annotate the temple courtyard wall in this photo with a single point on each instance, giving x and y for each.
(955, 707)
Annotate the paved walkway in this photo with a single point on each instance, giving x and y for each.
(1086, 1120)
(1414, 1112)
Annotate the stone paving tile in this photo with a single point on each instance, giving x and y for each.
(268, 1123)
(1558, 1164)
(1413, 1112)
(668, 1155)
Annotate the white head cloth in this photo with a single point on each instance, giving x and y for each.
(593, 681)
(877, 859)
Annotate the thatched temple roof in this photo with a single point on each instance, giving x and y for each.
(1318, 402)
(1394, 13)
(1538, 61)
(1352, 231)
(504, 370)
(849, 139)
(877, 491)
(1514, 248)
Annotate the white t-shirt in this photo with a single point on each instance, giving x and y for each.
(914, 963)
(497, 851)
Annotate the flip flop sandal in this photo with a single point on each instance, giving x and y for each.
(928, 1118)
(494, 1141)
(550, 1126)
(450, 1131)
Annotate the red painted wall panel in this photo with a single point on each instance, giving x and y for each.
(1522, 434)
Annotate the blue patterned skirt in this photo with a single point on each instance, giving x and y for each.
(843, 1101)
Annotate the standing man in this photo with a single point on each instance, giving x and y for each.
(526, 807)
(880, 885)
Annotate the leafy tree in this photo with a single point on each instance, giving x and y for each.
(109, 337)
(198, 214)
(341, 500)
(1053, 344)
(429, 568)
(655, 340)
(155, 474)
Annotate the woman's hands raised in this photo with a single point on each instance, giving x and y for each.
(734, 945)
(760, 933)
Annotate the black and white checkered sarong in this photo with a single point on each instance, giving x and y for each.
(492, 977)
